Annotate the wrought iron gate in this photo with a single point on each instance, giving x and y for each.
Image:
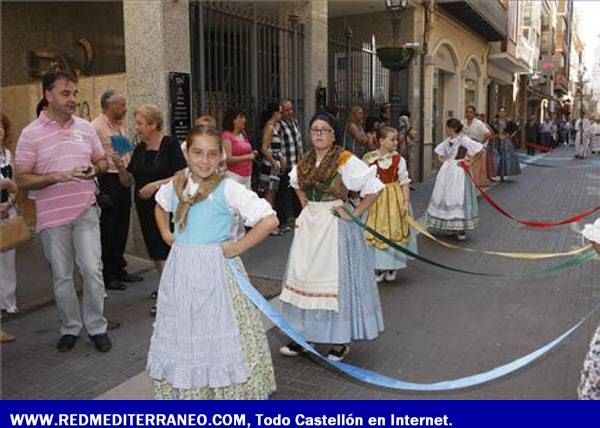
(356, 76)
(243, 59)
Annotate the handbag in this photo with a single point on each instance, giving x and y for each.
(103, 199)
(13, 231)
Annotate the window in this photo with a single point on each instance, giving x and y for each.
(545, 22)
(527, 14)
(513, 16)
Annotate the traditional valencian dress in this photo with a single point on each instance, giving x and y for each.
(208, 340)
(453, 204)
(506, 152)
(330, 294)
(387, 215)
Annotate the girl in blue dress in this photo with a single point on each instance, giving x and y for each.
(208, 340)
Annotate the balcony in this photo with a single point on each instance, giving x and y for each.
(485, 17)
(547, 45)
(508, 59)
(561, 83)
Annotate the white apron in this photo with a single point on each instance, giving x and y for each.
(312, 277)
(448, 197)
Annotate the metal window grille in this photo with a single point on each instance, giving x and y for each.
(244, 59)
(356, 79)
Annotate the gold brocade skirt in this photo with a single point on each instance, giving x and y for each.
(479, 169)
(388, 217)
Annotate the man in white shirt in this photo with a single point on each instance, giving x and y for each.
(582, 139)
(595, 135)
(476, 130)
(546, 131)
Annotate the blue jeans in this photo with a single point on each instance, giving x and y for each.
(77, 242)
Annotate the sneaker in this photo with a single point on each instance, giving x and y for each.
(292, 349)
(380, 277)
(153, 310)
(390, 276)
(101, 342)
(338, 352)
(12, 310)
(461, 236)
(66, 343)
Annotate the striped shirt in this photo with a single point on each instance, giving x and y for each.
(291, 139)
(47, 147)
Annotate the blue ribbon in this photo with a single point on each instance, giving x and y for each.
(531, 160)
(378, 379)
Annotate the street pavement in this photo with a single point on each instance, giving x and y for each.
(440, 325)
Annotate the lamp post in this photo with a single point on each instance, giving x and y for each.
(579, 93)
(395, 8)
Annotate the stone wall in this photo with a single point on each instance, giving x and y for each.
(55, 27)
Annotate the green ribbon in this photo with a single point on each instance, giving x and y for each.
(578, 260)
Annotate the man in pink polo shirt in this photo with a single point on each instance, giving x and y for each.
(58, 155)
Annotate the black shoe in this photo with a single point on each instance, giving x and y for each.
(338, 352)
(115, 284)
(128, 277)
(292, 349)
(101, 342)
(112, 325)
(154, 295)
(66, 343)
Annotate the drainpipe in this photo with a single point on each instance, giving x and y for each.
(424, 52)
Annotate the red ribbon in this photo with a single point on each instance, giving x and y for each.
(537, 146)
(539, 224)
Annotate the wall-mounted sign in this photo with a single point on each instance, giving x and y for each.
(548, 65)
(180, 105)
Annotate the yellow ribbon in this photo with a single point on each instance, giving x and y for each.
(525, 256)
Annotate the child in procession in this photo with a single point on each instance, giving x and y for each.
(330, 295)
(389, 214)
(453, 204)
(208, 340)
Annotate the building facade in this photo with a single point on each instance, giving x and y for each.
(246, 54)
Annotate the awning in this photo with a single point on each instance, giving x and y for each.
(499, 74)
(486, 17)
(543, 95)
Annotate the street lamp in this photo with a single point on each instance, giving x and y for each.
(396, 57)
(396, 6)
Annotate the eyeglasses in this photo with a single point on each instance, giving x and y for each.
(321, 131)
